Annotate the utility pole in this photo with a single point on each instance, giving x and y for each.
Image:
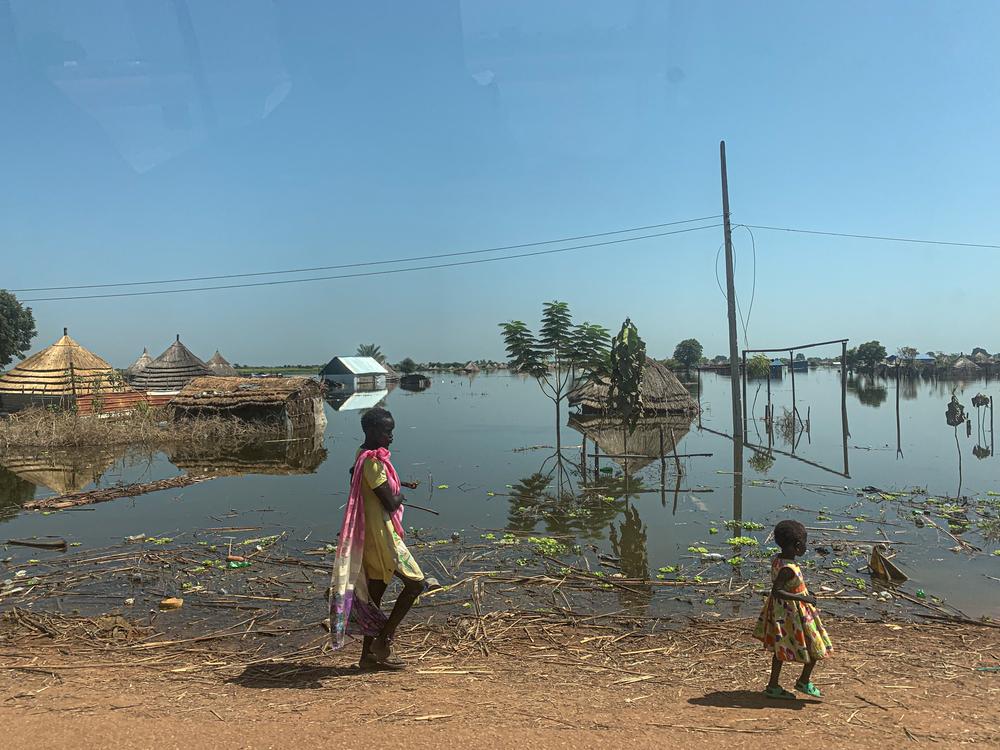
(734, 356)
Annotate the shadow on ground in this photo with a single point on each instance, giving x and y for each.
(301, 676)
(748, 699)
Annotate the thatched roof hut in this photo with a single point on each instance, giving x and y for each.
(221, 367)
(293, 404)
(471, 368)
(56, 375)
(613, 439)
(140, 364)
(171, 371)
(964, 366)
(300, 455)
(662, 392)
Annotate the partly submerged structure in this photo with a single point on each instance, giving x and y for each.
(634, 452)
(140, 364)
(171, 371)
(292, 404)
(471, 368)
(415, 382)
(964, 366)
(221, 367)
(56, 376)
(354, 374)
(662, 393)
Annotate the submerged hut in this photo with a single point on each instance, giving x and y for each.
(171, 371)
(662, 392)
(471, 368)
(354, 374)
(415, 382)
(55, 376)
(642, 447)
(964, 366)
(140, 364)
(293, 404)
(221, 367)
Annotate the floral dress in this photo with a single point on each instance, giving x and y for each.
(791, 629)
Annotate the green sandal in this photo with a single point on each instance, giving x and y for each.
(778, 692)
(808, 688)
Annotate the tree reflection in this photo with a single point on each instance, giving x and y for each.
(869, 391)
(628, 542)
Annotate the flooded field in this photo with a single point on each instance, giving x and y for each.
(482, 448)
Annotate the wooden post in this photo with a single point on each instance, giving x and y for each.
(663, 459)
(731, 300)
(991, 427)
(791, 370)
(583, 457)
(843, 402)
(770, 409)
(699, 398)
(743, 365)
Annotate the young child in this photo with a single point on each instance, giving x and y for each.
(789, 624)
(371, 549)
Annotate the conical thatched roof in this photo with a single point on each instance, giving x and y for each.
(662, 392)
(171, 371)
(611, 437)
(219, 366)
(471, 367)
(63, 369)
(964, 364)
(140, 364)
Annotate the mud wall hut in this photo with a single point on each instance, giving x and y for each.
(292, 404)
(662, 393)
(171, 371)
(56, 376)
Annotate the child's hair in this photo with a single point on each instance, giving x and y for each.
(787, 533)
(375, 418)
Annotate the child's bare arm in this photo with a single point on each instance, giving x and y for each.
(778, 592)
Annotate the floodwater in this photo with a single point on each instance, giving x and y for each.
(482, 448)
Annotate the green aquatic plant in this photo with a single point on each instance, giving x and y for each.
(745, 525)
(698, 550)
(739, 541)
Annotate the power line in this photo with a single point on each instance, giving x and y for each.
(375, 273)
(364, 263)
(874, 237)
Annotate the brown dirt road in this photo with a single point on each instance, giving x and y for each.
(889, 685)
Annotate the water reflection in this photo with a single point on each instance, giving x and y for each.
(654, 439)
(14, 492)
(299, 455)
(60, 471)
(356, 400)
(869, 391)
(628, 542)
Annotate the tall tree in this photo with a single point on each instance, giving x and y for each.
(560, 354)
(628, 358)
(407, 366)
(17, 328)
(688, 353)
(907, 353)
(870, 354)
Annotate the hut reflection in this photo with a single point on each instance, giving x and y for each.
(302, 454)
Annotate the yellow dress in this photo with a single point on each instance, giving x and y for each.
(385, 552)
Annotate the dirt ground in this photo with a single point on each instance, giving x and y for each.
(503, 682)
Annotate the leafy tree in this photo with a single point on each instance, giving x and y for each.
(558, 355)
(688, 353)
(800, 357)
(371, 350)
(17, 328)
(628, 358)
(407, 366)
(758, 366)
(720, 359)
(870, 354)
(851, 360)
(907, 353)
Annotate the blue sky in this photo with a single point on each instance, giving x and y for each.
(313, 133)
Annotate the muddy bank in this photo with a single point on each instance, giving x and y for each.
(522, 679)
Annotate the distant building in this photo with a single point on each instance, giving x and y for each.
(171, 371)
(354, 374)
